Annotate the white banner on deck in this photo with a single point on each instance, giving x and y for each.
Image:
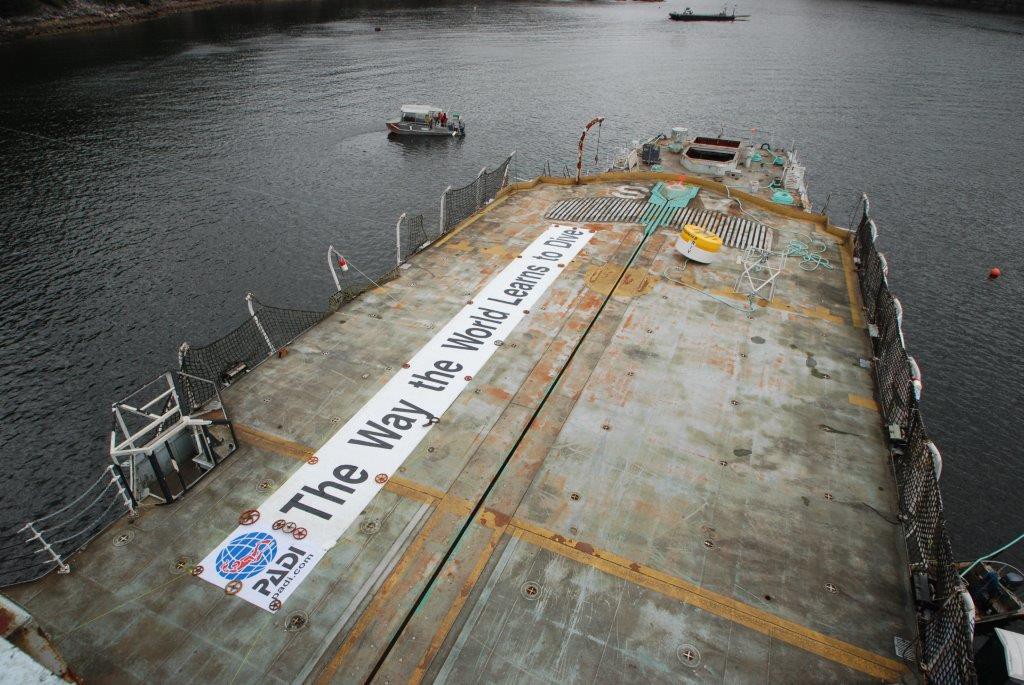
(265, 561)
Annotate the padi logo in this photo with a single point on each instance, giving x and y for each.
(246, 555)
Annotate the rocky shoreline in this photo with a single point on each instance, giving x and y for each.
(76, 15)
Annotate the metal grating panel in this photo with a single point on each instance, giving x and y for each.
(598, 209)
(734, 231)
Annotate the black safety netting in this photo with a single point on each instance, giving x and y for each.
(945, 621)
(220, 362)
(458, 204)
(413, 236)
(284, 325)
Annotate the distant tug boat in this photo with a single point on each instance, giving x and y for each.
(420, 120)
(688, 15)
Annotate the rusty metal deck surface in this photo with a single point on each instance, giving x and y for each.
(676, 489)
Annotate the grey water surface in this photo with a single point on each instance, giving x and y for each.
(151, 174)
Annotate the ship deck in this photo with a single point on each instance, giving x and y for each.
(645, 483)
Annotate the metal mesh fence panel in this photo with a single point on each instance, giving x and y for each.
(946, 632)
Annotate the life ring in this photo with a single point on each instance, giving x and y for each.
(936, 459)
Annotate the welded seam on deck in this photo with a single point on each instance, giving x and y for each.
(501, 468)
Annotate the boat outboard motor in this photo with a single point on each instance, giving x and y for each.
(1013, 580)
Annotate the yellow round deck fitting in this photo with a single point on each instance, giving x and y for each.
(698, 243)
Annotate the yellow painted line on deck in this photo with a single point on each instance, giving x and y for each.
(816, 312)
(456, 607)
(273, 443)
(852, 288)
(733, 610)
(862, 401)
(398, 485)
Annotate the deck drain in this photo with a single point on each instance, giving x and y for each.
(264, 485)
(531, 590)
(831, 588)
(369, 527)
(181, 565)
(688, 655)
(296, 621)
(123, 538)
(828, 496)
(574, 496)
(335, 419)
(710, 544)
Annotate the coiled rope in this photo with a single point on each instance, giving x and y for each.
(809, 253)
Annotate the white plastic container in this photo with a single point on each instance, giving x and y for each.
(679, 134)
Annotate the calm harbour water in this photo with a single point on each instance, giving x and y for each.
(187, 160)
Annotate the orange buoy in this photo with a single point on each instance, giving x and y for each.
(994, 273)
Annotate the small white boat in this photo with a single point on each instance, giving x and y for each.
(420, 120)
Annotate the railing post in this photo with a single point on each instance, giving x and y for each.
(504, 177)
(444, 198)
(252, 312)
(62, 567)
(398, 240)
(118, 479)
(479, 189)
(330, 265)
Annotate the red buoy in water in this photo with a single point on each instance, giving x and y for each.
(994, 273)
